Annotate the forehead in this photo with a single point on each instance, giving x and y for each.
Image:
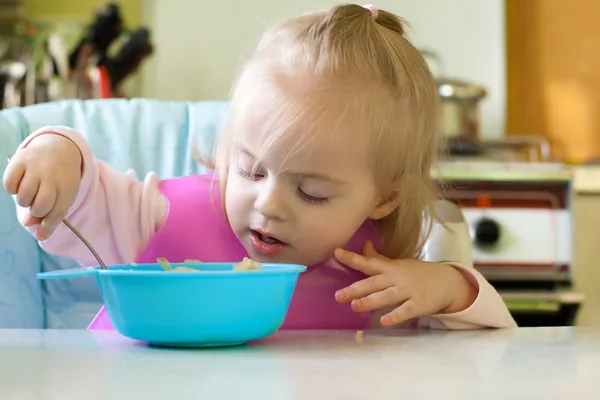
(319, 141)
(299, 151)
(291, 121)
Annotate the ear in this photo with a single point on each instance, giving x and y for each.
(386, 205)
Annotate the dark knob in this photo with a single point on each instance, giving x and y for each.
(487, 232)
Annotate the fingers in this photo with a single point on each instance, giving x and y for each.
(368, 266)
(44, 200)
(42, 180)
(41, 210)
(29, 220)
(391, 296)
(12, 177)
(362, 288)
(27, 190)
(53, 218)
(370, 252)
(408, 310)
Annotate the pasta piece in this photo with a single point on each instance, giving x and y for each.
(358, 337)
(184, 269)
(164, 264)
(247, 265)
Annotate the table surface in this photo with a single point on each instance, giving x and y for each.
(525, 363)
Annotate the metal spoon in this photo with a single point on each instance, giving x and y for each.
(87, 244)
(83, 239)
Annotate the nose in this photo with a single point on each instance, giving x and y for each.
(270, 201)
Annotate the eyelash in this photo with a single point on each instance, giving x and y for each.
(306, 197)
(312, 199)
(248, 175)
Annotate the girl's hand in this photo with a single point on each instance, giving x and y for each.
(415, 288)
(45, 177)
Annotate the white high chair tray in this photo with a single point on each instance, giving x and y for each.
(533, 363)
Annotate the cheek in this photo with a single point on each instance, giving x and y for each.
(338, 230)
(238, 203)
(343, 219)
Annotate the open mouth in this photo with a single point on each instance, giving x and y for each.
(267, 239)
(265, 245)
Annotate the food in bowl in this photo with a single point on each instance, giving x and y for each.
(246, 264)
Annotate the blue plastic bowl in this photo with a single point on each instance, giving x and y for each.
(215, 306)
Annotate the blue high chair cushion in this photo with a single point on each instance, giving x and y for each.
(139, 134)
(21, 304)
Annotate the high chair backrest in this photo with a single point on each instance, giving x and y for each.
(143, 135)
(139, 134)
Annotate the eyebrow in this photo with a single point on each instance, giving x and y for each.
(309, 175)
(248, 153)
(324, 177)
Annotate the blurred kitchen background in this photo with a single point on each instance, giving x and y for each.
(519, 82)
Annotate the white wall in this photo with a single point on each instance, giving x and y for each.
(200, 44)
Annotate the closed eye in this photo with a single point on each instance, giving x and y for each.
(249, 175)
(312, 199)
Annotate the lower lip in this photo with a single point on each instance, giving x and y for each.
(264, 248)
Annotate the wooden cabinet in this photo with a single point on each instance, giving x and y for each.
(587, 256)
(553, 74)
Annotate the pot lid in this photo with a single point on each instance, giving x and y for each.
(449, 88)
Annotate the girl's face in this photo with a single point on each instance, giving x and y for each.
(299, 207)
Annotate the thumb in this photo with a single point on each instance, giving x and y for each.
(29, 220)
(370, 252)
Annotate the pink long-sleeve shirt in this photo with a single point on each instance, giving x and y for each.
(119, 215)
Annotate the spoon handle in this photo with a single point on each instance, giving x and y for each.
(87, 244)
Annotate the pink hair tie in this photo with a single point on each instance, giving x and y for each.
(372, 10)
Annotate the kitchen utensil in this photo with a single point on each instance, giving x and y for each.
(99, 83)
(129, 57)
(213, 306)
(87, 244)
(104, 30)
(13, 72)
(460, 103)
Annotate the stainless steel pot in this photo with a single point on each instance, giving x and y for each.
(460, 103)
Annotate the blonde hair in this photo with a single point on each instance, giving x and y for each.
(355, 66)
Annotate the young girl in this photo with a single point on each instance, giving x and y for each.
(329, 144)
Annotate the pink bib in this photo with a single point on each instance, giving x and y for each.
(195, 208)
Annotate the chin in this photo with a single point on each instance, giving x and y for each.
(276, 259)
(285, 257)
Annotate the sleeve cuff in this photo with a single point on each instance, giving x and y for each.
(473, 279)
(487, 310)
